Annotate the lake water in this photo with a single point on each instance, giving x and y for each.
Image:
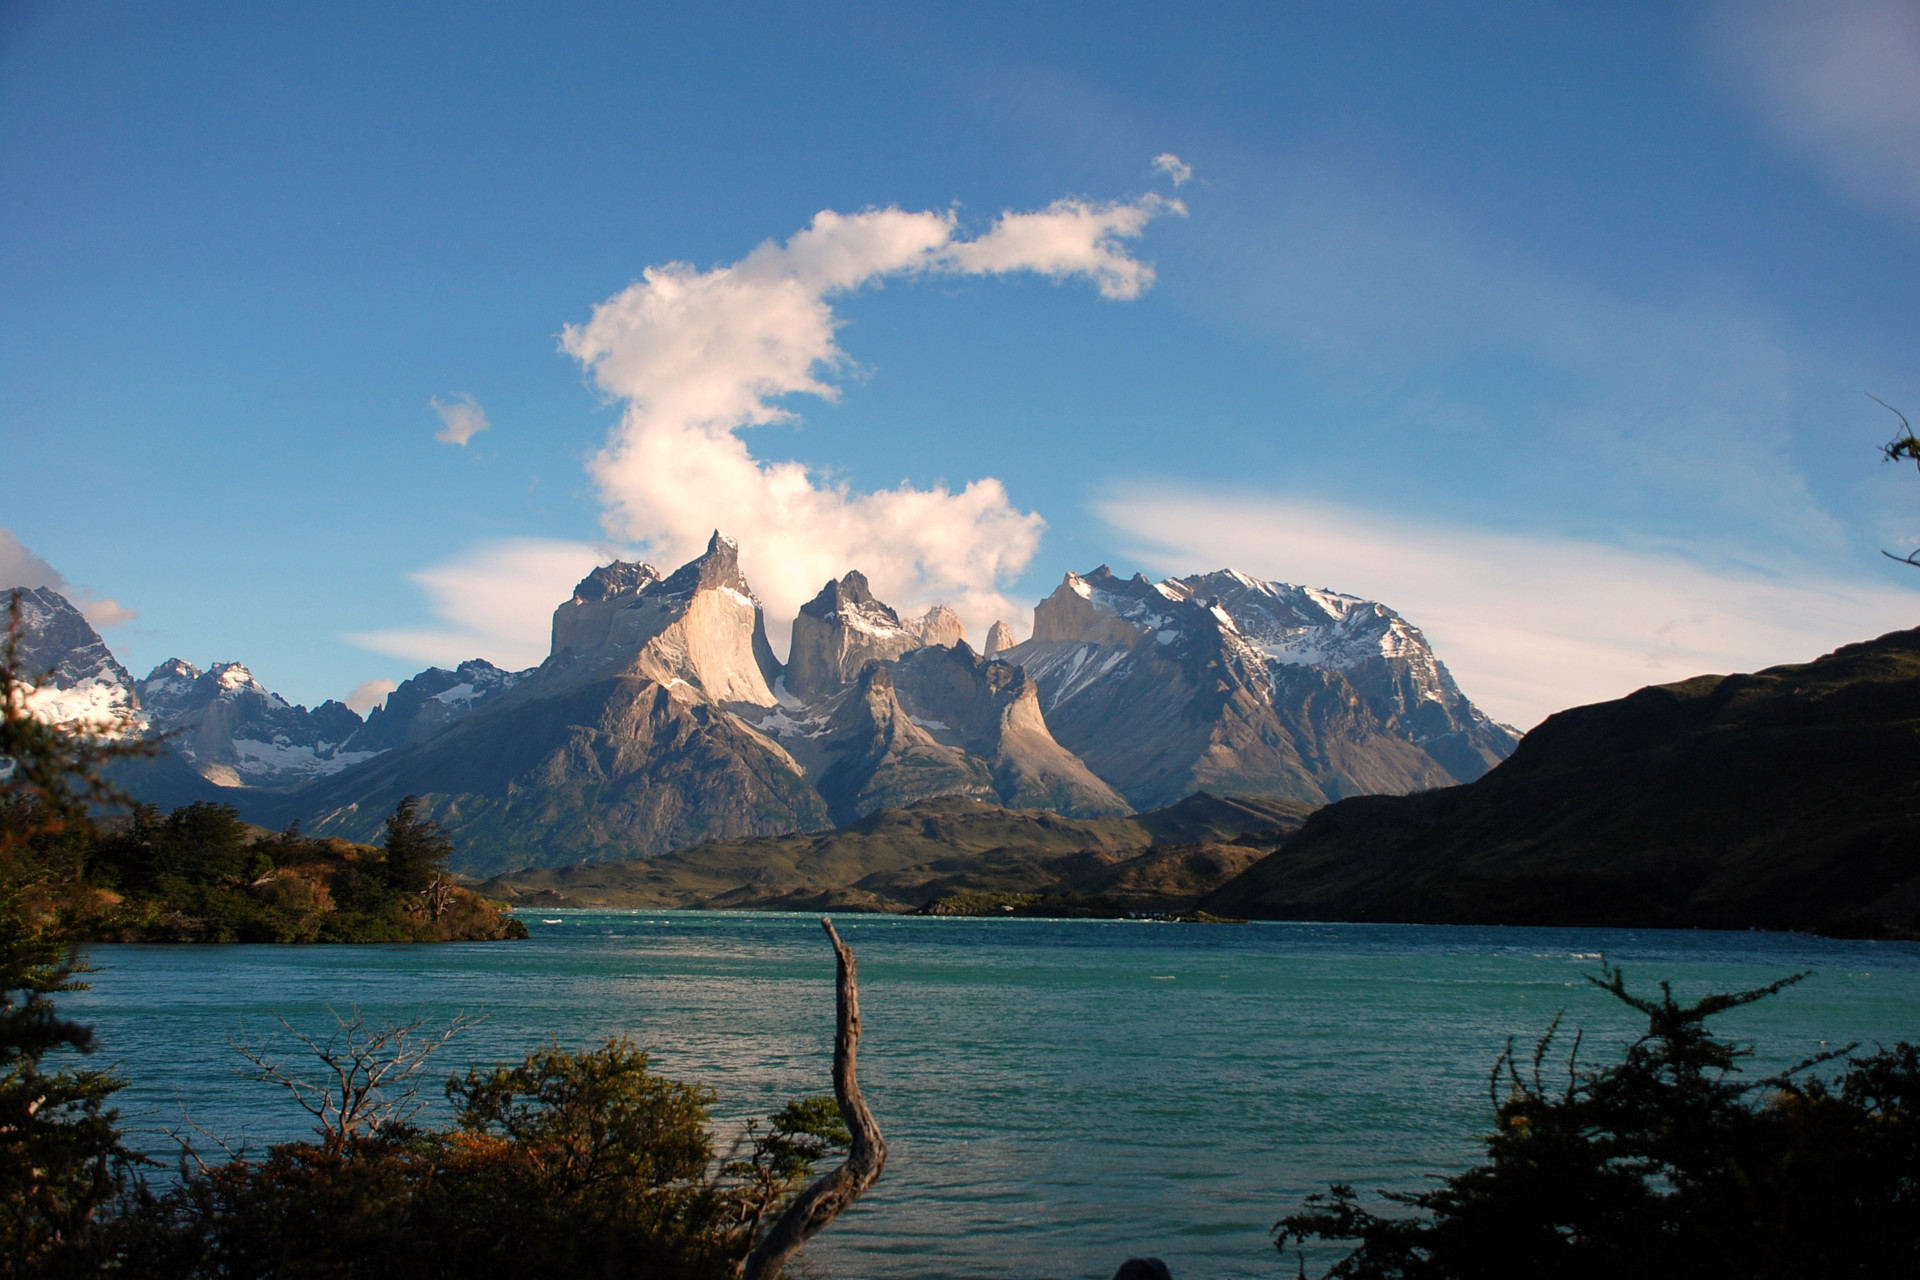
(1055, 1094)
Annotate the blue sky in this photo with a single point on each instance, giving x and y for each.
(1551, 326)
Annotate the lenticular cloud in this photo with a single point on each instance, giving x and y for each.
(699, 355)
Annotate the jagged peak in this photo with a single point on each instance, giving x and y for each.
(851, 592)
(620, 578)
(940, 626)
(999, 636)
(716, 568)
(173, 669)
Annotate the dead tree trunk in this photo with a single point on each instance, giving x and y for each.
(829, 1197)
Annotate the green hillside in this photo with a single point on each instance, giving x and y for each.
(902, 859)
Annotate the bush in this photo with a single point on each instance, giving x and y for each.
(1665, 1164)
(583, 1164)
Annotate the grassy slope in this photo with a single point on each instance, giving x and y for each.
(1785, 799)
(898, 859)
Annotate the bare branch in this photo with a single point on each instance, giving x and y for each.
(367, 1074)
(813, 1209)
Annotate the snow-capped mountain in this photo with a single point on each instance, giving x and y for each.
(839, 631)
(236, 732)
(1224, 683)
(81, 684)
(877, 712)
(623, 742)
(429, 702)
(661, 717)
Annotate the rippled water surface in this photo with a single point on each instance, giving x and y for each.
(1055, 1094)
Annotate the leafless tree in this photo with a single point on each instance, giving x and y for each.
(366, 1074)
(813, 1209)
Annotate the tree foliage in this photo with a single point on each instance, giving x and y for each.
(1665, 1164)
(567, 1163)
(418, 849)
(60, 1155)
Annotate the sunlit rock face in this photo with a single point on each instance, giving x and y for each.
(699, 633)
(623, 743)
(1222, 683)
(838, 632)
(661, 718)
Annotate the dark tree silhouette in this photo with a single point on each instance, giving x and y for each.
(60, 1155)
(1904, 447)
(1666, 1164)
(418, 849)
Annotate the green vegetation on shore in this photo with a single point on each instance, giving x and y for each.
(199, 874)
(899, 860)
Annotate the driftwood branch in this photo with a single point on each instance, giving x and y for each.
(829, 1197)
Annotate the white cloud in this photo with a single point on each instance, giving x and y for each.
(1171, 165)
(1837, 81)
(369, 694)
(1529, 625)
(19, 567)
(698, 355)
(461, 419)
(498, 602)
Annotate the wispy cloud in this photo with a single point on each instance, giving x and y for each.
(369, 694)
(1485, 370)
(1837, 82)
(496, 603)
(1529, 625)
(461, 419)
(19, 567)
(699, 355)
(1171, 165)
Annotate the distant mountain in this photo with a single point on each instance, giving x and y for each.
(225, 735)
(81, 682)
(236, 732)
(1220, 682)
(899, 859)
(1787, 799)
(878, 715)
(621, 743)
(661, 717)
(428, 703)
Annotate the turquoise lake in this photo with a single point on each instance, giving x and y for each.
(1056, 1095)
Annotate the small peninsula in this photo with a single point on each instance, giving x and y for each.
(200, 874)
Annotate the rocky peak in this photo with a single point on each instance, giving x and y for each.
(992, 710)
(841, 630)
(999, 637)
(81, 683)
(850, 594)
(621, 578)
(432, 700)
(699, 632)
(1099, 608)
(940, 626)
(717, 568)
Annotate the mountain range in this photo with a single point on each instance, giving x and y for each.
(662, 718)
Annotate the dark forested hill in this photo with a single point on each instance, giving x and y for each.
(1786, 799)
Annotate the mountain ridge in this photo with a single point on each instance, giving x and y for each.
(661, 717)
(1788, 798)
